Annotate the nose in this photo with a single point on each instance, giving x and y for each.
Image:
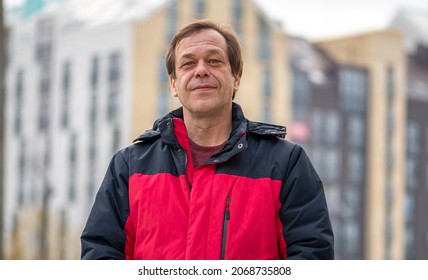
(201, 70)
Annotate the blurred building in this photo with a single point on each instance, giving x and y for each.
(360, 108)
(83, 82)
(329, 119)
(350, 93)
(417, 155)
(382, 54)
(414, 24)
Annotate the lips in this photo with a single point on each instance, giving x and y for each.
(203, 86)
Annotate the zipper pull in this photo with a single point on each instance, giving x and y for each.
(227, 213)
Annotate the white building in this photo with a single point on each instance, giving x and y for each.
(67, 85)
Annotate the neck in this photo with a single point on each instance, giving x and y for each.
(209, 132)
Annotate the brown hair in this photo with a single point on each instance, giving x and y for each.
(232, 42)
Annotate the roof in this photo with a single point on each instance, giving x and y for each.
(309, 58)
(414, 24)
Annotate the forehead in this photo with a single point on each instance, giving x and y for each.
(206, 39)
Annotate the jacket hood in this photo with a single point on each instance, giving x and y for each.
(240, 126)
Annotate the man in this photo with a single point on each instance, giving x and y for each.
(206, 183)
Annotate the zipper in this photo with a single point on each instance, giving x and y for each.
(225, 225)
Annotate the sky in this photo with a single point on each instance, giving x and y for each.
(322, 19)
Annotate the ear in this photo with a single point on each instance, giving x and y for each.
(236, 83)
(174, 91)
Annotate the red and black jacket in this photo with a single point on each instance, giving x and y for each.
(258, 198)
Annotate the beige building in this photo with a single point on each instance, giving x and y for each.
(383, 55)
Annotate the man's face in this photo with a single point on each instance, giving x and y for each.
(204, 83)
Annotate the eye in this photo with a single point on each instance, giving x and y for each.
(187, 64)
(214, 61)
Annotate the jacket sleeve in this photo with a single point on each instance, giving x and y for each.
(103, 236)
(307, 229)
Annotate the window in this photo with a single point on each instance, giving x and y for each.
(164, 89)
(65, 87)
(199, 8)
(237, 15)
(352, 199)
(72, 158)
(410, 240)
(264, 40)
(171, 21)
(92, 168)
(316, 125)
(389, 233)
(94, 73)
(93, 112)
(332, 165)
(411, 173)
(352, 89)
(409, 208)
(19, 91)
(114, 68)
(21, 174)
(44, 31)
(390, 85)
(332, 134)
(355, 168)
(351, 237)
(356, 131)
(413, 138)
(267, 94)
(44, 98)
(301, 88)
(267, 81)
(317, 160)
(116, 139)
(114, 82)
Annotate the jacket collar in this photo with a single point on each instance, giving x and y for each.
(164, 127)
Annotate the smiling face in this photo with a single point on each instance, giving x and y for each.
(203, 81)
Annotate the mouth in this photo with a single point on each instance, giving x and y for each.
(203, 87)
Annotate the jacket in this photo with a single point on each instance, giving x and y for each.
(258, 198)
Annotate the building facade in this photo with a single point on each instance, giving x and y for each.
(417, 156)
(382, 54)
(413, 24)
(67, 94)
(329, 120)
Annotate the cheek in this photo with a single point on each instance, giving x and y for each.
(182, 82)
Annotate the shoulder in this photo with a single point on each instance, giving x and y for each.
(266, 129)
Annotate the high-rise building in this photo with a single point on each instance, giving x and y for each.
(329, 120)
(414, 25)
(382, 55)
(417, 155)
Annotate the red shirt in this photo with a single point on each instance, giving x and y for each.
(201, 153)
